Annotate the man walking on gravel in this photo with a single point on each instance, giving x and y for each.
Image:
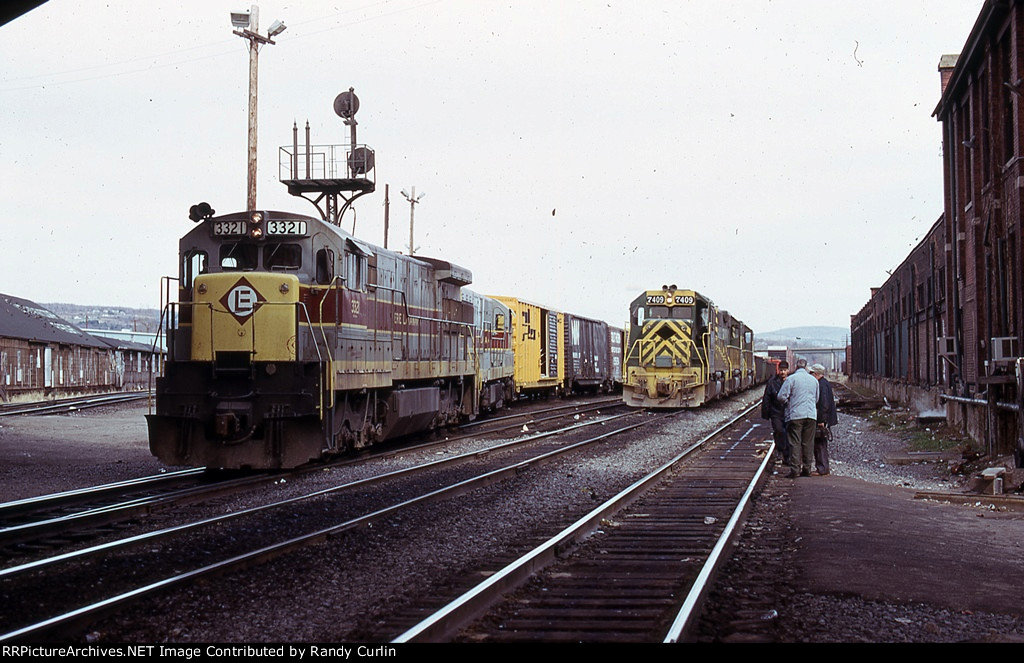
(799, 393)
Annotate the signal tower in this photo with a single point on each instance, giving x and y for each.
(325, 174)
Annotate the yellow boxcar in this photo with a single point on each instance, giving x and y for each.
(538, 342)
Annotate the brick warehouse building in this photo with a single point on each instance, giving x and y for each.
(946, 327)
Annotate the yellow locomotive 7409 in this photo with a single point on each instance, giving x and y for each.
(682, 351)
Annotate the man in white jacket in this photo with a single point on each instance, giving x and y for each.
(800, 394)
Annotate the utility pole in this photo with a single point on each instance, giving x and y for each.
(387, 212)
(413, 199)
(248, 24)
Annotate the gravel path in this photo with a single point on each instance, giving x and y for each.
(757, 599)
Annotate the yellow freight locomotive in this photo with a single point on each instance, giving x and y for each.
(291, 340)
(682, 351)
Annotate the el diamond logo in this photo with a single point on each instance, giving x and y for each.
(242, 300)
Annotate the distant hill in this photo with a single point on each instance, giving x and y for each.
(115, 318)
(806, 337)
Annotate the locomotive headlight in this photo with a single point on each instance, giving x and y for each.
(256, 233)
(256, 218)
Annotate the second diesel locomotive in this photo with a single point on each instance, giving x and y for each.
(682, 351)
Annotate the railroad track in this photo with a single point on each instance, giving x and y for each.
(217, 544)
(71, 404)
(53, 522)
(849, 400)
(658, 541)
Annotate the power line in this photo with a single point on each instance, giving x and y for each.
(222, 53)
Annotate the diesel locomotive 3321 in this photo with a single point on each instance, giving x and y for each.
(291, 339)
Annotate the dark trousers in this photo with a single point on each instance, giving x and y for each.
(781, 436)
(801, 441)
(821, 438)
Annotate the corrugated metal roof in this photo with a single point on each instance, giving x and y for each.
(26, 320)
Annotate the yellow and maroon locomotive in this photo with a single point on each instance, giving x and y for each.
(292, 339)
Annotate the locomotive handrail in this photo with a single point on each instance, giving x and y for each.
(165, 305)
(638, 343)
(334, 285)
(301, 312)
(212, 308)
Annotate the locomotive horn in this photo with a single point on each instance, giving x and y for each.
(201, 211)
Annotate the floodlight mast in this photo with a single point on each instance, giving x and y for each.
(248, 24)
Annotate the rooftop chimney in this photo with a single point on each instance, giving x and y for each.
(947, 63)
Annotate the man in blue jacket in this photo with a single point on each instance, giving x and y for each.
(799, 393)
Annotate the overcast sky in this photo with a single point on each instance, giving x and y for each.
(778, 156)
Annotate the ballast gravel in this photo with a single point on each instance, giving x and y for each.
(367, 584)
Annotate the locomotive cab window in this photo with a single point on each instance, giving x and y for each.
(669, 313)
(194, 264)
(356, 267)
(282, 256)
(324, 266)
(682, 313)
(239, 256)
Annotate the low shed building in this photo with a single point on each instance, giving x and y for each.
(43, 356)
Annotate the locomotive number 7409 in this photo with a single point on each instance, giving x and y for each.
(678, 299)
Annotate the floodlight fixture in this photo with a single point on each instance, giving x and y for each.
(276, 28)
(240, 19)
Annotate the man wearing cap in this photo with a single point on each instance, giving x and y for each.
(826, 418)
(775, 412)
(799, 393)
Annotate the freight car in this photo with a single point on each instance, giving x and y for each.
(557, 353)
(538, 345)
(589, 362)
(292, 339)
(616, 340)
(683, 351)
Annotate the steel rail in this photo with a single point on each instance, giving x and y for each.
(16, 508)
(694, 599)
(105, 514)
(156, 535)
(121, 511)
(71, 404)
(589, 406)
(111, 604)
(453, 616)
